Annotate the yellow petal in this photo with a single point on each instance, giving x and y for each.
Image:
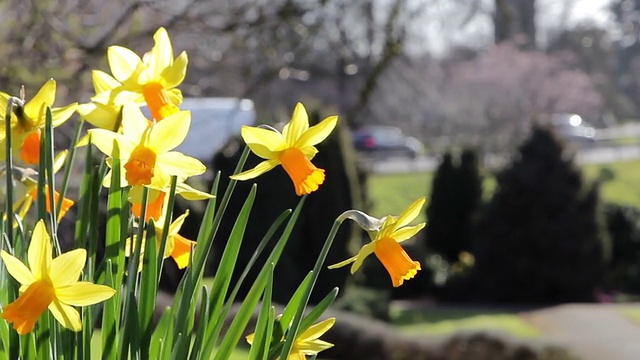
(175, 226)
(161, 54)
(66, 268)
(410, 213)
(317, 330)
(83, 293)
(66, 315)
(343, 263)
(100, 115)
(45, 96)
(17, 269)
(176, 163)
(134, 123)
(175, 96)
(407, 233)
(104, 139)
(297, 126)
(174, 75)
(309, 151)
(269, 140)
(123, 62)
(160, 180)
(170, 132)
(260, 169)
(365, 251)
(190, 193)
(40, 251)
(59, 160)
(60, 115)
(317, 133)
(103, 81)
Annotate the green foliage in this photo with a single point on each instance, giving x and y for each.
(540, 240)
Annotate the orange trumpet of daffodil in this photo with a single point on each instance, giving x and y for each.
(293, 149)
(178, 247)
(386, 234)
(25, 189)
(27, 122)
(49, 283)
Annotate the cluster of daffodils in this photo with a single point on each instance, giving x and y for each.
(139, 149)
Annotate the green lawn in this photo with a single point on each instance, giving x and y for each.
(391, 193)
(440, 321)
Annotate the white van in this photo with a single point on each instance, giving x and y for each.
(213, 121)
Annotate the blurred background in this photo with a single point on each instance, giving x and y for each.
(518, 119)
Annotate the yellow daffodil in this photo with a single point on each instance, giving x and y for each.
(27, 122)
(308, 343)
(178, 247)
(293, 148)
(50, 283)
(156, 201)
(26, 189)
(386, 235)
(144, 149)
(152, 79)
(105, 115)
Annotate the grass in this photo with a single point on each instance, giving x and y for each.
(631, 312)
(449, 321)
(620, 181)
(391, 193)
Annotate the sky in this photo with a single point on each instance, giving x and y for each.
(444, 28)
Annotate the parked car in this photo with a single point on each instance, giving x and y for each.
(385, 141)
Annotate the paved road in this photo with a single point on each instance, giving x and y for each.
(590, 331)
(596, 155)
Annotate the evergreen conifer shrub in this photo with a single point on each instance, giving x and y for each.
(540, 239)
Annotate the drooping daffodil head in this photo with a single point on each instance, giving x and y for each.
(28, 121)
(50, 283)
(178, 247)
(386, 235)
(294, 149)
(26, 190)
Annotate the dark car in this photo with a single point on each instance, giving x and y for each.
(385, 141)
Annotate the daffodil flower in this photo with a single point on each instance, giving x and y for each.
(308, 343)
(27, 122)
(26, 189)
(156, 201)
(144, 149)
(50, 283)
(152, 79)
(178, 247)
(293, 148)
(386, 234)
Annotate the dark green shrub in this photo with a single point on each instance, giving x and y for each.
(623, 270)
(540, 239)
(455, 197)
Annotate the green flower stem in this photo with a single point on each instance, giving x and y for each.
(12, 102)
(293, 330)
(67, 169)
